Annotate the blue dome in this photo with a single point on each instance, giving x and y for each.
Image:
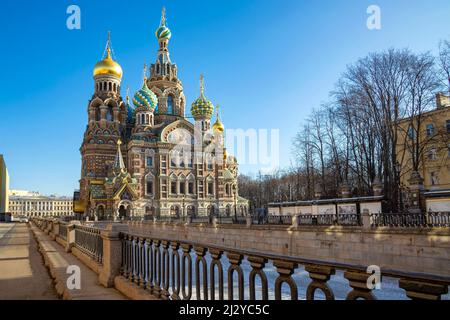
(145, 98)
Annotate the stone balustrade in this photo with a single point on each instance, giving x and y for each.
(206, 261)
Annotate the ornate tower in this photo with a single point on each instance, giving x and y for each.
(164, 80)
(202, 109)
(145, 102)
(107, 118)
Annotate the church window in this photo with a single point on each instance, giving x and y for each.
(170, 104)
(173, 187)
(97, 114)
(191, 187)
(149, 161)
(150, 187)
(182, 187)
(110, 114)
(210, 188)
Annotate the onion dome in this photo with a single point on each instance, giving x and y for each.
(108, 66)
(145, 98)
(218, 125)
(202, 107)
(163, 33)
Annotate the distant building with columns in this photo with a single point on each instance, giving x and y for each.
(32, 204)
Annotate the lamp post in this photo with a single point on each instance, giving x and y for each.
(398, 169)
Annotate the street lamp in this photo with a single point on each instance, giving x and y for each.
(398, 169)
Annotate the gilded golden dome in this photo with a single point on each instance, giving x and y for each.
(108, 66)
(218, 126)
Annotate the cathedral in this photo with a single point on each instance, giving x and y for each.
(143, 158)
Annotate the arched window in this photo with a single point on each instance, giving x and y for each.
(170, 104)
(110, 114)
(98, 115)
(149, 186)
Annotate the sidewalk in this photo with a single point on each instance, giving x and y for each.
(57, 260)
(23, 275)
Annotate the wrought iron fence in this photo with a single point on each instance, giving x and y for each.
(279, 219)
(62, 231)
(411, 220)
(175, 270)
(89, 241)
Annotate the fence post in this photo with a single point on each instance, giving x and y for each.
(249, 221)
(365, 219)
(55, 230)
(112, 253)
(71, 235)
(295, 220)
(49, 227)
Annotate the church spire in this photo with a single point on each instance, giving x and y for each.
(119, 165)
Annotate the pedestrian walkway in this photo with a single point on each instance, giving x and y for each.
(58, 260)
(23, 275)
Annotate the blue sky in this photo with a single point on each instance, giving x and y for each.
(267, 63)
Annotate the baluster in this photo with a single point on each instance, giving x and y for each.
(165, 268)
(133, 259)
(285, 270)
(421, 290)
(258, 264)
(186, 259)
(122, 265)
(176, 279)
(216, 256)
(201, 252)
(358, 282)
(129, 257)
(142, 278)
(320, 275)
(157, 264)
(151, 266)
(235, 265)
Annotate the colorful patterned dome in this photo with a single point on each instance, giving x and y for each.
(163, 33)
(202, 107)
(145, 98)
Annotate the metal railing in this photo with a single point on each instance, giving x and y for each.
(279, 219)
(179, 270)
(62, 231)
(89, 241)
(411, 220)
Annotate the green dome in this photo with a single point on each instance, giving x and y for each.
(145, 98)
(202, 107)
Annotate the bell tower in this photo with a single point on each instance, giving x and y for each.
(164, 80)
(107, 115)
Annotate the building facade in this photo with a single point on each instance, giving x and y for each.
(4, 186)
(146, 158)
(427, 135)
(32, 204)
